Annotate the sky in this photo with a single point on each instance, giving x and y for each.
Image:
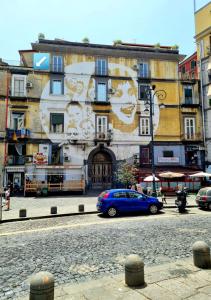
(167, 22)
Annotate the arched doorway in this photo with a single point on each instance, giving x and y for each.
(101, 168)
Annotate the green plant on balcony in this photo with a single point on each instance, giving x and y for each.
(157, 45)
(85, 40)
(175, 47)
(117, 42)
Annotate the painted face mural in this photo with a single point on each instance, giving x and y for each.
(79, 93)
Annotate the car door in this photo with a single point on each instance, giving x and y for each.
(121, 201)
(138, 201)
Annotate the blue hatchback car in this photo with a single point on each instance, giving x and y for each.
(113, 202)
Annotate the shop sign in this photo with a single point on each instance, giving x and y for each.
(15, 169)
(40, 159)
(168, 159)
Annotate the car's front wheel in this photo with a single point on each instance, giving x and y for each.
(112, 212)
(153, 209)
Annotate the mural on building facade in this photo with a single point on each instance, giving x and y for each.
(78, 98)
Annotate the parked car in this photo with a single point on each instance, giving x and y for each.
(115, 201)
(203, 198)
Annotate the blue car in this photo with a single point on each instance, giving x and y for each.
(115, 201)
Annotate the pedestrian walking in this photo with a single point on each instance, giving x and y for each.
(163, 197)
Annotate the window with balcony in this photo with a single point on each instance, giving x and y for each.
(101, 126)
(57, 122)
(188, 94)
(142, 91)
(190, 130)
(193, 64)
(19, 85)
(144, 126)
(57, 64)
(16, 154)
(101, 66)
(144, 70)
(101, 91)
(17, 120)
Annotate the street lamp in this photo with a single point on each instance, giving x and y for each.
(149, 107)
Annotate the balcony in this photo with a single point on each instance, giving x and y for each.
(13, 134)
(189, 102)
(191, 137)
(103, 137)
(13, 160)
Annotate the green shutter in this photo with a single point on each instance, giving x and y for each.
(57, 119)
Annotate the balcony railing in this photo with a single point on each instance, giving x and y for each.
(191, 137)
(14, 134)
(103, 136)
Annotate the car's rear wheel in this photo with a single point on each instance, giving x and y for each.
(153, 209)
(112, 212)
(209, 206)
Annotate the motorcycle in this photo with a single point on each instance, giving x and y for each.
(181, 201)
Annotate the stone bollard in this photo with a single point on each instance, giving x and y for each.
(134, 270)
(42, 286)
(81, 208)
(54, 210)
(201, 255)
(22, 213)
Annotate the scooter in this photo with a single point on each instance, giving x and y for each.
(181, 201)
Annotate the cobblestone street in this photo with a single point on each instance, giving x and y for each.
(79, 248)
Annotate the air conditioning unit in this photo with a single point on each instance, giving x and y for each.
(67, 158)
(135, 68)
(28, 159)
(29, 85)
(111, 91)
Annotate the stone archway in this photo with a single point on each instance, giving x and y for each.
(101, 166)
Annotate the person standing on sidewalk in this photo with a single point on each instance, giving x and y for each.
(7, 197)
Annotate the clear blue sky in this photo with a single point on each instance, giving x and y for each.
(167, 22)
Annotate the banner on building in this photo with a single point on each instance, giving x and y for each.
(40, 159)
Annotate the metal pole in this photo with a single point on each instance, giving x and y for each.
(152, 146)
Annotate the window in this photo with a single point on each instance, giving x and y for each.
(142, 91)
(189, 128)
(57, 123)
(168, 153)
(57, 63)
(134, 195)
(144, 126)
(101, 67)
(57, 85)
(193, 64)
(56, 155)
(101, 126)
(17, 120)
(120, 195)
(188, 94)
(144, 155)
(144, 70)
(19, 85)
(183, 70)
(101, 91)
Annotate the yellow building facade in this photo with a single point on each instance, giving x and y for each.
(203, 41)
(76, 111)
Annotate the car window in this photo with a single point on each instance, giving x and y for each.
(135, 195)
(203, 192)
(209, 193)
(119, 195)
(102, 194)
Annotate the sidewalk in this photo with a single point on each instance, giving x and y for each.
(174, 281)
(66, 205)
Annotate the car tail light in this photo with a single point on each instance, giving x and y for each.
(105, 196)
(204, 198)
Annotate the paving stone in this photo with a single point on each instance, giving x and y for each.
(178, 288)
(155, 292)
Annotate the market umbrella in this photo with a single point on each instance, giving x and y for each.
(150, 179)
(201, 174)
(171, 175)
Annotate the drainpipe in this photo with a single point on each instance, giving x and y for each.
(6, 122)
(202, 99)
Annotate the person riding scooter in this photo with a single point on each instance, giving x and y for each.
(181, 200)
